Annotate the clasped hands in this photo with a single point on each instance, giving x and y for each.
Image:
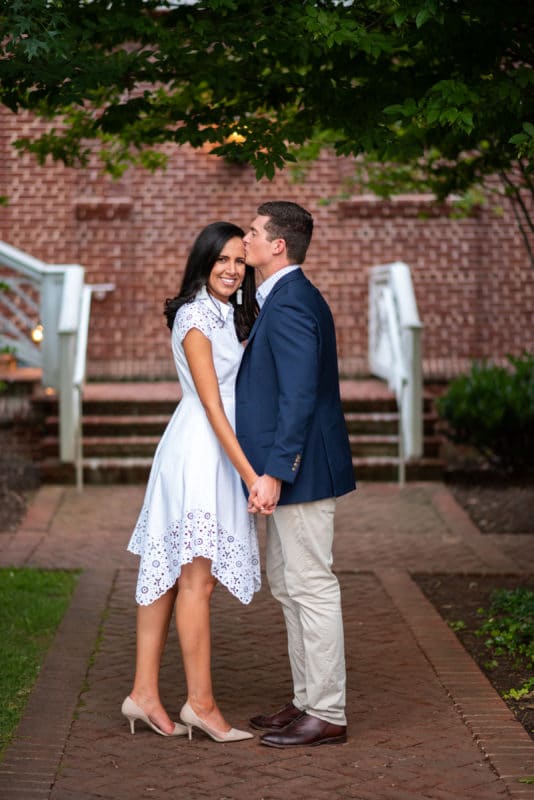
(264, 495)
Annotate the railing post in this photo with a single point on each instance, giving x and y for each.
(68, 329)
(402, 448)
(410, 331)
(51, 296)
(413, 407)
(395, 352)
(78, 380)
(79, 441)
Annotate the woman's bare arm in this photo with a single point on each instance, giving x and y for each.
(198, 352)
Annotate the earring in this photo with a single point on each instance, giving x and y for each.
(239, 296)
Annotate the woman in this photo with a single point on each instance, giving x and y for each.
(194, 528)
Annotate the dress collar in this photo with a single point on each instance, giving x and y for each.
(219, 309)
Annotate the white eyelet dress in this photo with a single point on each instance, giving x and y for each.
(194, 503)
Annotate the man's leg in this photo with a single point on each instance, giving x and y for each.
(312, 606)
(275, 569)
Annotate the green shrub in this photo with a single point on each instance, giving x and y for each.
(509, 625)
(492, 409)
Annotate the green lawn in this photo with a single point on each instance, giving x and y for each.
(32, 603)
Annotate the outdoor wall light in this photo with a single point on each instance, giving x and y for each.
(100, 290)
(37, 333)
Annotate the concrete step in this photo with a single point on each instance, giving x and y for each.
(113, 406)
(373, 422)
(387, 469)
(370, 446)
(98, 471)
(377, 445)
(120, 398)
(140, 406)
(123, 422)
(134, 446)
(107, 446)
(115, 424)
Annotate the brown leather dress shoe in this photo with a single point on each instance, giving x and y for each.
(306, 731)
(277, 720)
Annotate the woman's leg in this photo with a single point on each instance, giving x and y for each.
(152, 629)
(195, 587)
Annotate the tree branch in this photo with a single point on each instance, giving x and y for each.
(513, 192)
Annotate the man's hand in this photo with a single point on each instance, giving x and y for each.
(264, 494)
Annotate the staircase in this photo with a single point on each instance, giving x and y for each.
(122, 425)
(123, 422)
(372, 421)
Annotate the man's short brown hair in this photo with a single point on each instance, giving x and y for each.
(290, 222)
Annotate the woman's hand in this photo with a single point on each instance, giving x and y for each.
(264, 495)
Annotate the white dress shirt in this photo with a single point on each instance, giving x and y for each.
(263, 291)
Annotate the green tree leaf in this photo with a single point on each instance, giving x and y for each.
(442, 89)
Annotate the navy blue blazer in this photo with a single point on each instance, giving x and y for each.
(289, 418)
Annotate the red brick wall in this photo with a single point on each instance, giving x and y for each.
(473, 281)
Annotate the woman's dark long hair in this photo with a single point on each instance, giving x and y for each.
(203, 255)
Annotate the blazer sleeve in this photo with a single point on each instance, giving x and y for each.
(294, 339)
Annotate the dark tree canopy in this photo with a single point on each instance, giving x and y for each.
(442, 89)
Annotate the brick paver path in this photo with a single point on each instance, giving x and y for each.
(424, 722)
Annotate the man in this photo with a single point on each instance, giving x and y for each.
(290, 423)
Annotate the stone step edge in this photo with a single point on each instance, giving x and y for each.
(116, 419)
(90, 441)
(351, 416)
(146, 460)
(394, 460)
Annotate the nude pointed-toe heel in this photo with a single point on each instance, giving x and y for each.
(133, 712)
(191, 720)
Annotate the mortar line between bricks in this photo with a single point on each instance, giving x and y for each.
(44, 723)
(431, 632)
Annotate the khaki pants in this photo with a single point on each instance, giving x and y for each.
(299, 571)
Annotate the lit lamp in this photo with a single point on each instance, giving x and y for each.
(234, 154)
(235, 138)
(37, 334)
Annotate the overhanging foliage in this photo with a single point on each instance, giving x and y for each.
(442, 86)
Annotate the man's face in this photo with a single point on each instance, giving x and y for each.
(259, 250)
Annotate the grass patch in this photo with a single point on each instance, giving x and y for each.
(32, 604)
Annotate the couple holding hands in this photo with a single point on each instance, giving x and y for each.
(259, 429)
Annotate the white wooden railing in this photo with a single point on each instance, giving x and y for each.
(395, 353)
(54, 299)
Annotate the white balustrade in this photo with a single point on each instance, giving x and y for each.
(56, 297)
(395, 353)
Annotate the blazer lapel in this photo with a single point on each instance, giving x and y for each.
(297, 273)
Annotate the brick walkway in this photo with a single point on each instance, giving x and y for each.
(424, 722)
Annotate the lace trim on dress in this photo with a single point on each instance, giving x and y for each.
(196, 534)
(196, 315)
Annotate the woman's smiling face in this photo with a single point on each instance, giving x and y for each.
(228, 272)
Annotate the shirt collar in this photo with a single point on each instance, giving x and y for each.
(266, 287)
